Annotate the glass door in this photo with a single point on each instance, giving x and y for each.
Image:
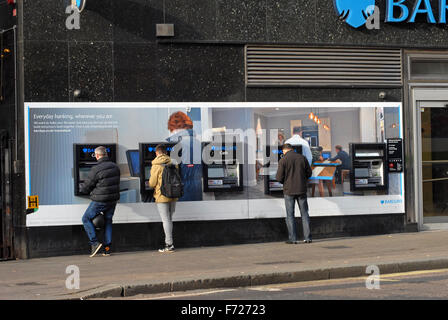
(434, 160)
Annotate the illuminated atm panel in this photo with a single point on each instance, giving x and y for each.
(369, 167)
(84, 159)
(147, 153)
(225, 173)
(270, 182)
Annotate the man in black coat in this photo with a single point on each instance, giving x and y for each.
(294, 172)
(103, 185)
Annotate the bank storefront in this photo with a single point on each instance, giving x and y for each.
(233, 82)
(237, 182)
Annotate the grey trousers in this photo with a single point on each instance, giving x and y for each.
(166, 211)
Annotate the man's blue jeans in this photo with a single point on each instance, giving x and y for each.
(290, 202)
(94, 208)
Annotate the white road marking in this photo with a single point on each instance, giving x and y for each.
(174, 295)
(264, 289)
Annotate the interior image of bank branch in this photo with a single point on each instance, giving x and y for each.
(344, 145)
(346, 148)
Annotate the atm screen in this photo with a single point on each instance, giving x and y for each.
(83, 173)
(216, 172)
(88, 153)
(133, 162)
(362, 172)
(149, 153)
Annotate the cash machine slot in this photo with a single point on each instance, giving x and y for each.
(225, 173)
(369, 170)
(84, 159)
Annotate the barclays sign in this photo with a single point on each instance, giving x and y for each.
(357, 13)
(354, 12)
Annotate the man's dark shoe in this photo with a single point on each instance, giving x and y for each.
(308, 241)
(95, 249)
(106, 251)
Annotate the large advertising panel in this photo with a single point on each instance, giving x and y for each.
(228, 154)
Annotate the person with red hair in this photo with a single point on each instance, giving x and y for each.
(179, 121)
(181, 127)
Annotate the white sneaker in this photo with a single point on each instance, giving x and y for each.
(167, 249)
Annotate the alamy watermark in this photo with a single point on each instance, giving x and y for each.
(73, 21)
(73, 281)
(248, 146)
(373, 19)
(373, 281)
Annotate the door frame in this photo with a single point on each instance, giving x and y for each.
(6, 212)
(418, 94)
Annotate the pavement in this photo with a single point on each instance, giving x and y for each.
(150, 272)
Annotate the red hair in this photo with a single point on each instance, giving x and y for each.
(179, 120)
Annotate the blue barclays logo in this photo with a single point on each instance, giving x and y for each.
(79, 4)
(153, 149)
(364, 12)
(354, 12)
(90, 150)
(223, 148)
(391, 201)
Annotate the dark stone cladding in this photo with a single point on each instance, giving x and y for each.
(70, 240)
(115, 56)
(6, 18)
(7, 91)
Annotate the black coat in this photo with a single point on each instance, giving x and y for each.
(103, 182)
(293, 172)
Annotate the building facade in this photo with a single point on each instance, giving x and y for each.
(245, 64)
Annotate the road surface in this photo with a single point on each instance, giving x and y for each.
(431, 284)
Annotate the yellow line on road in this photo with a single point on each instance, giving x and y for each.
(383, 277)
(411, 273)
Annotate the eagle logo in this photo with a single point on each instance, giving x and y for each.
(79, 4)
(354, 12)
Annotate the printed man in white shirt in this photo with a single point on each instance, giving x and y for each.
(297, 140)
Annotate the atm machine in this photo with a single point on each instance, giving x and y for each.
(270, 182)
(225, 173)
(84, 159)
(147, 153)
(369, 167)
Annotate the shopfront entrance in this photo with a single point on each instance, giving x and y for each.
(434, 159)
(431, 156)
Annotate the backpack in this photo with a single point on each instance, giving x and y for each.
(98, 221)
(172, 186)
